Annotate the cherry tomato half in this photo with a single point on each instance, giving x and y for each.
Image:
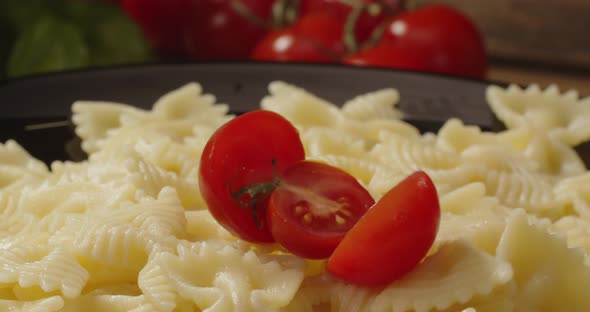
(392, 237)
(313, 207)
(247, 151)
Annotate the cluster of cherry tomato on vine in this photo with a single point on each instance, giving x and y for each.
(257, 184)
(433, 38)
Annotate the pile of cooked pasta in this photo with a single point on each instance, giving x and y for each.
(127, 230)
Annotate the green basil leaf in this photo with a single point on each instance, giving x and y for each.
(114, 39)
(48, 45)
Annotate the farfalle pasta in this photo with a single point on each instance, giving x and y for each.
(127, 230)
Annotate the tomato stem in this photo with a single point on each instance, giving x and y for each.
(239, 7)
(256, 193)
(284, 12)
(349, 36)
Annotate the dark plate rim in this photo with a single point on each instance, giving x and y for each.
(159, 65)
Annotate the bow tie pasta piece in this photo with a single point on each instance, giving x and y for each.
(374, 105)
(93, 121)
(50, 304)
(328, 141)
(18, 167)
(456, 136)
(300, 107)
(575, 192)
(549, 275)
(217, 276)
(456, 266)
(189, 103)
(102, 303)
(30, 271)
(524, 189)
(577, 231)
(468, 214)
(410, 154)
(563, 115)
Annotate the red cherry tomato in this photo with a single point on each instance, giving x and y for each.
(392, 237)
(220, 31)
(316, 37)
(450, 40)
(366, 22)
(313, 207)
(163, 22)
(244, 152)
(391, 56)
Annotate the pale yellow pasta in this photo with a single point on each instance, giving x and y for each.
(327, 141)
(468, 214)
(457, 266)
(217, 276)
(189, 103)
(49, 304)
(299, 106)
(577, 231)
(375, 105)
(128, 230)
(549, 276)
(94, 120)
(564, 115)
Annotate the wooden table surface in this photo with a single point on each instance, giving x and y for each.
(534, 41)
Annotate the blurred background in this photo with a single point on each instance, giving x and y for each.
(520, 41)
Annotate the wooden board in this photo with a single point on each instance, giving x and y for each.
(551, 32)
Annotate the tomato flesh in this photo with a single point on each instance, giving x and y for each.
(313, 207)
(392, 237)
(250, 149)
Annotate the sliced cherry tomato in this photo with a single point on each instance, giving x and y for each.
(248, 151)
(392, 237)
(313, 207)
(316, 37)
(391, 56)
(163, 22)
(227, 29)
(449, 40)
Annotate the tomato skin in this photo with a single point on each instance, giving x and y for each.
(450, 40)
(241, 153)
(315, 185)
(303, 42)
(219, 32)
(163, 22)
(392, 237)
(390, 56)
(366, 23)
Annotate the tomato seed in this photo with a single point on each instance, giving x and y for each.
(307, 217)
(299, 210)
(340, 220)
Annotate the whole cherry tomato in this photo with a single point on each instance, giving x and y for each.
(316, 37)
(449, 40)
(227, 29)
(163, 22)
(313, 207)
(392, 237)
(367, 21)
(239, 166)
(391, 56)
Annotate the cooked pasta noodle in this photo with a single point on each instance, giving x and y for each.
(127, 230)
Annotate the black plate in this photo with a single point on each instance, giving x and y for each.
(427, 100)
